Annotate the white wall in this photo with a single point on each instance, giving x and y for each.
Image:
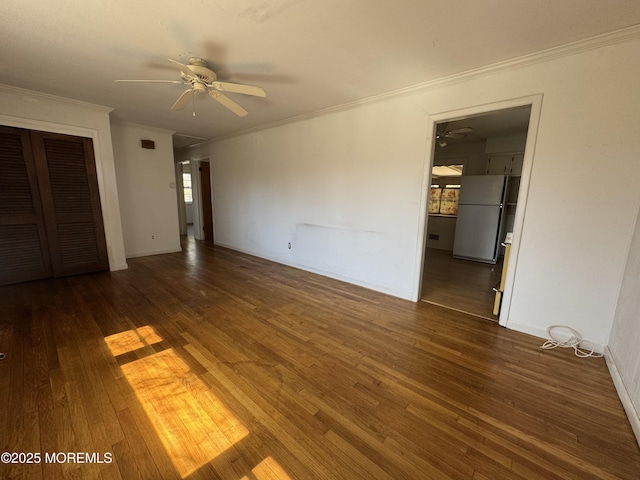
(36, 111)
(345, 187)
(445, 228)
(147, 190)
(624, 344)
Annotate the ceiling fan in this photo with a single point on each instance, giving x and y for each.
(202, 79)
(441, 137)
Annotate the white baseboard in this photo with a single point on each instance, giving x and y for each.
(560, 334)
(284, 261)
(120, 266)
(625, 398)
(153, 252)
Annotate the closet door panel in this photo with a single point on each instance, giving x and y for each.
(24, 253)
(73, 215)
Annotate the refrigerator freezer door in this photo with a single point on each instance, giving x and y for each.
(476, 236)
(481, 189)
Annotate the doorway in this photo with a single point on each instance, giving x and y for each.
(195, 199)
(185, 198)
(467, 145)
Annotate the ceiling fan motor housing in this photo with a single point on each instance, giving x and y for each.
(199, 67)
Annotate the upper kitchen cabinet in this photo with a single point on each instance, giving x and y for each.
(505, 154)
(516, 164)
(505, 164)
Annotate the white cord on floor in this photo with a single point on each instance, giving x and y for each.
(573, 341)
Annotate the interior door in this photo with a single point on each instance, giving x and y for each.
(68, 184)
(207, 206)
(24, 250)
(50, 212)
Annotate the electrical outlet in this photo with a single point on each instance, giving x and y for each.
(289, 245)
(153, 237)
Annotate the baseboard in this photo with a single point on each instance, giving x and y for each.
(625, 398)
(120, 266)
(353, 281)
(558, 333)
(152, 252)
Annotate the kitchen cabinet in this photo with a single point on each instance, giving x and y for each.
(516, 164)
(505, 164)
(498, 164)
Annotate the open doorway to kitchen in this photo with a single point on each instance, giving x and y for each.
(473, 200)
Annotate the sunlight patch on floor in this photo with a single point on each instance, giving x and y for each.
(192, 424)
(124, 342)
(267, 469)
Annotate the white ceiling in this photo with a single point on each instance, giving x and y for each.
(308, 55)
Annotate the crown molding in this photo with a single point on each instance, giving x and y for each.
(46, 96)
(142, 127)
(566, 50)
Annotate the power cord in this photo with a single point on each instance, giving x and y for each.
(573, 341)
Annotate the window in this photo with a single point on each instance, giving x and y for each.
(445, 190)
(186, 187)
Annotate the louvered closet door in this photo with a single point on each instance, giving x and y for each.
(24, 252)
(68, 183)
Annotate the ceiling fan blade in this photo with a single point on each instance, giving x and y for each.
(455, 135)
(183, 100)
(239, 88)
(183, 68)
(227, 102)
(461, 130)
(148, 81)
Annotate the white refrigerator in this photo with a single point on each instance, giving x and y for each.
(479, 219)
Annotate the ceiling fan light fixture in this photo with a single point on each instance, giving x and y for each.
(198, 87)
(442, 142)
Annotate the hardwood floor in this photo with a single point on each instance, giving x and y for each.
(214, 364)
(463, 285)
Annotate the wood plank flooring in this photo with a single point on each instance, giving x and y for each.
(462, 285)
(211, 364)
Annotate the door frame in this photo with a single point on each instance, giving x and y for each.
(105, 170)
(535, 102)
(182, 205)
(196, 185)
